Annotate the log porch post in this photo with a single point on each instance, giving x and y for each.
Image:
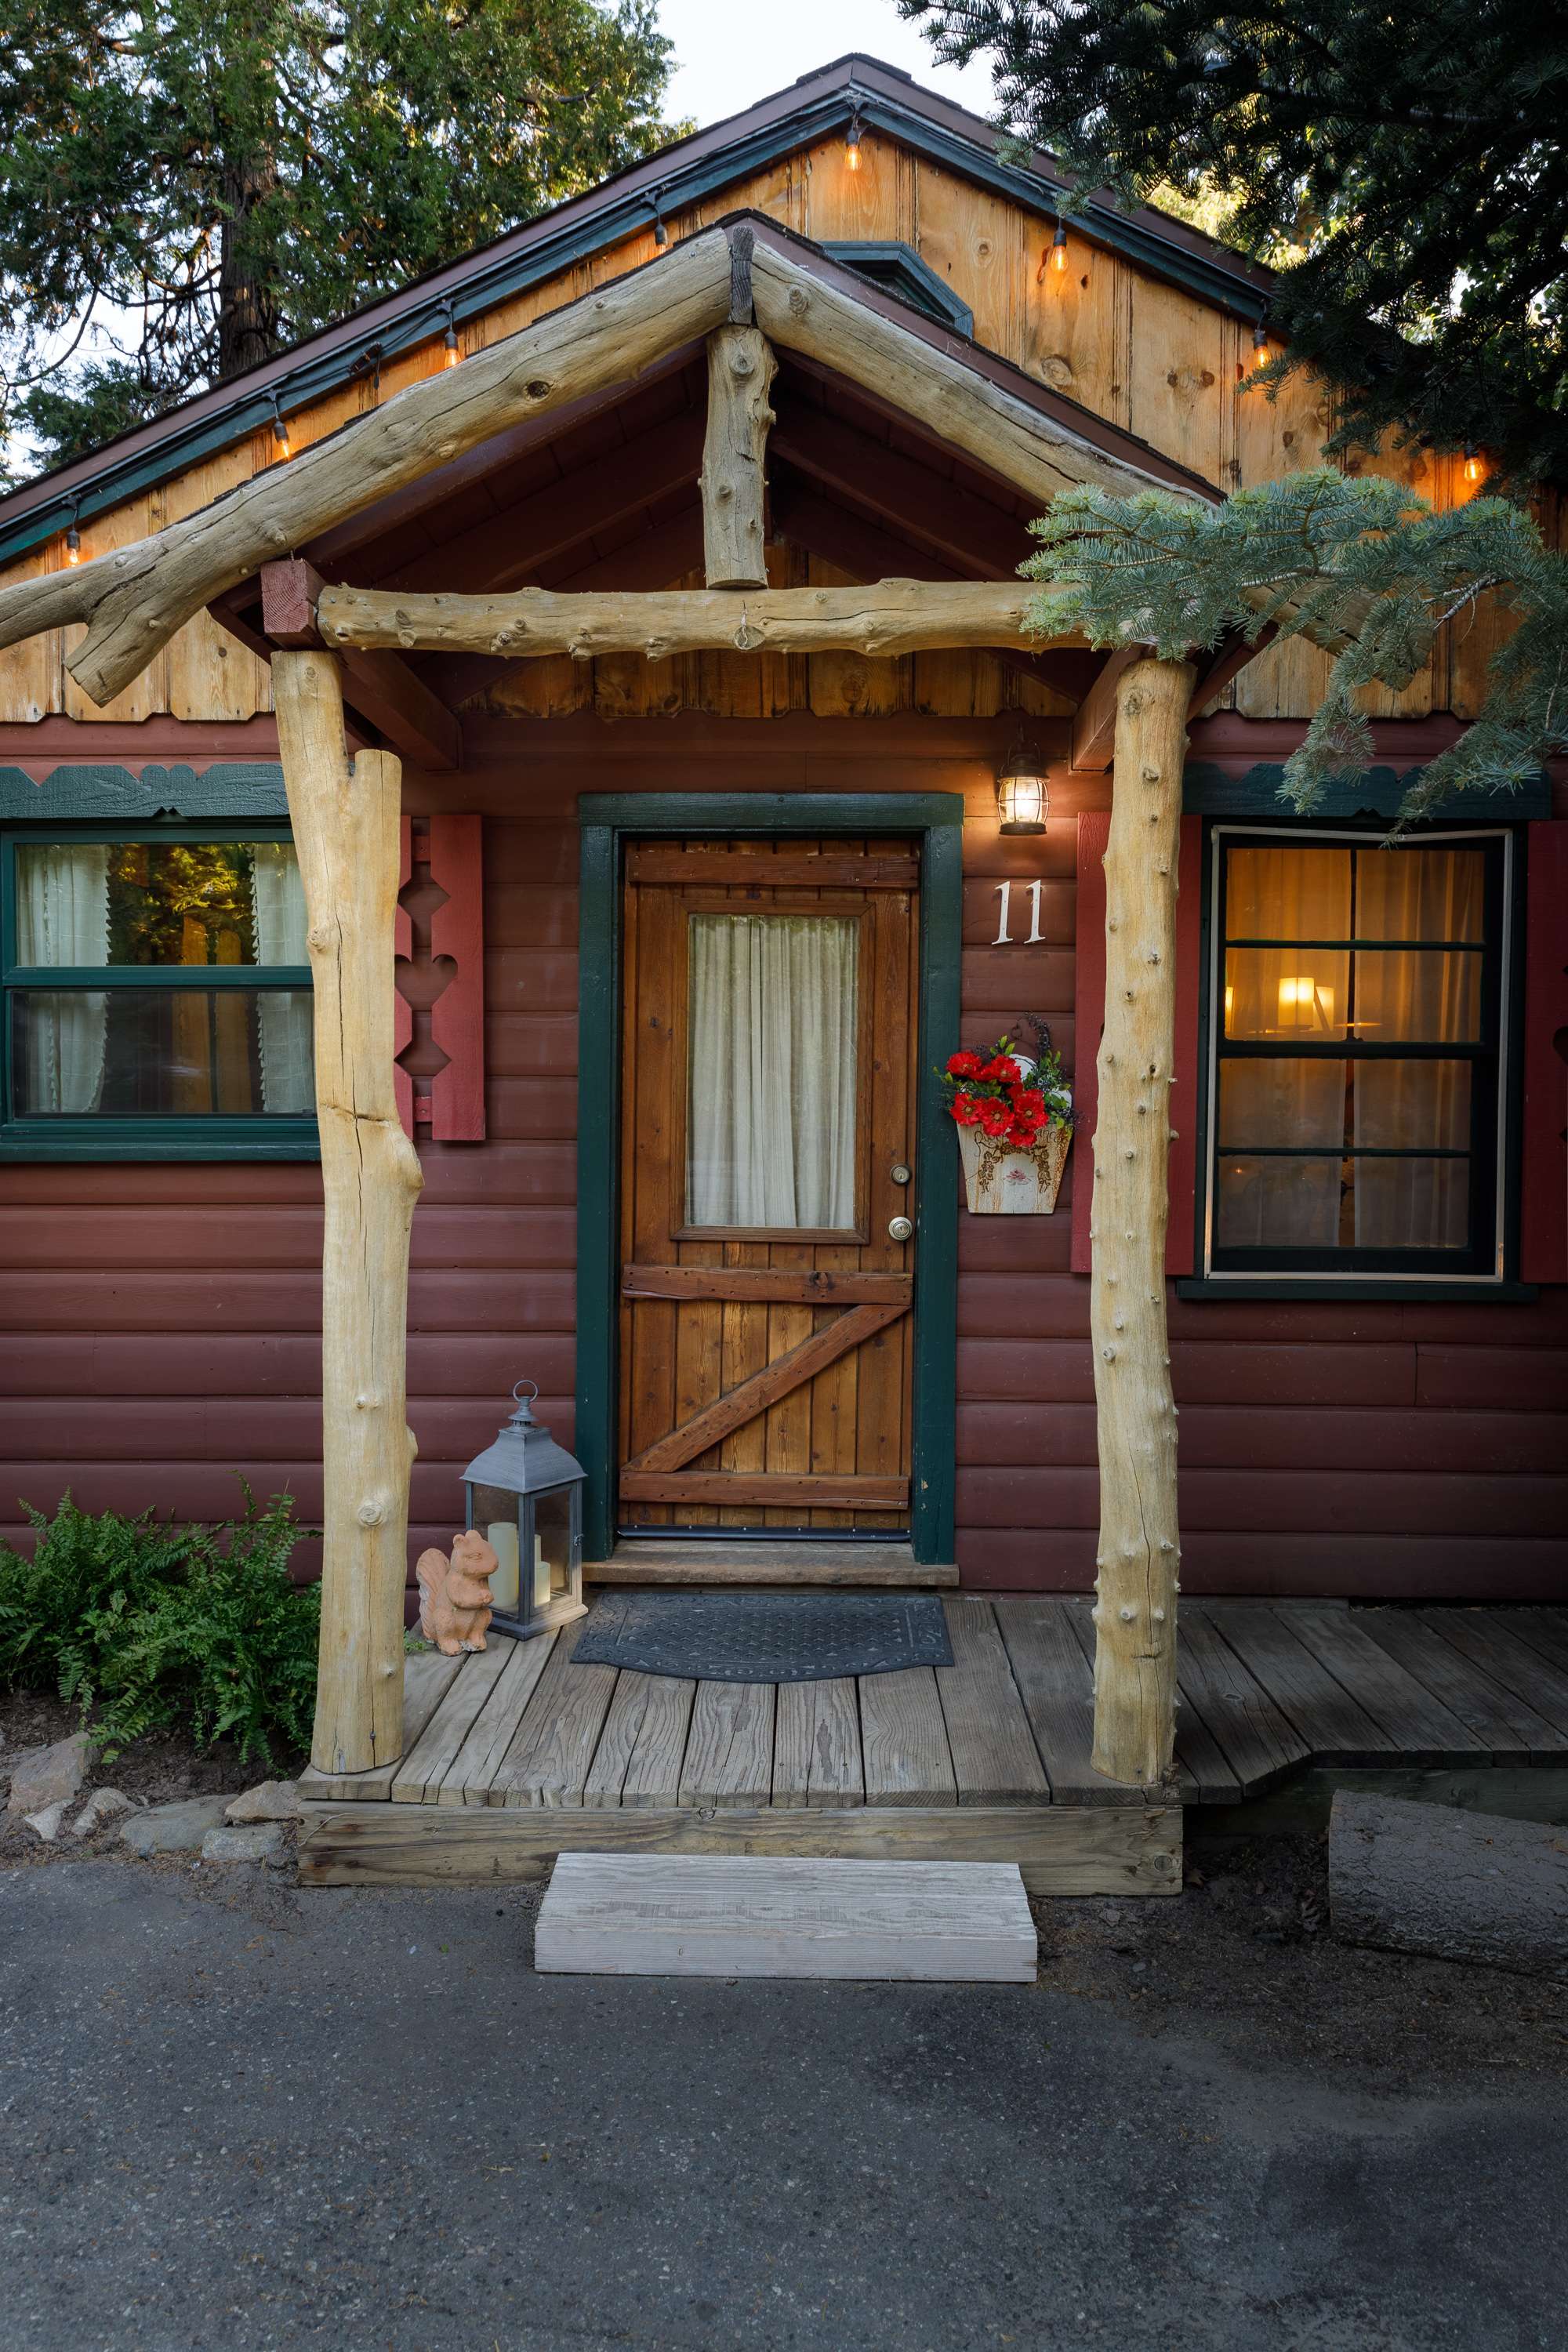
(345, 816)
(1140, 1539)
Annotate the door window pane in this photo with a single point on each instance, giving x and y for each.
(162, 1052)
(159, 902)
(773, 1017)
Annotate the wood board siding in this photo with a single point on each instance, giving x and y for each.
(159, 1324)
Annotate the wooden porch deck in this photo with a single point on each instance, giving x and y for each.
(515, 1755)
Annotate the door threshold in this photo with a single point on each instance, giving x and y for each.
(649, 1560)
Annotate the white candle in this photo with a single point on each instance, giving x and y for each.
(540, 1576)
(502, 1538)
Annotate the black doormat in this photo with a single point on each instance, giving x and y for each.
(764, 1637)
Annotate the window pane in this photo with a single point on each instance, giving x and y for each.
(1290, 1203)
(1286, 992)
(1282, 1103)
(1288, 893)
(1417, 994)
(1413, 1106)
(1412, 1203)
(1420, 893)
(160, 902)
(158, 1052)
(773, 1016)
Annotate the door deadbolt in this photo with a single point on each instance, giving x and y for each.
(900, 1229)
(900, 1174)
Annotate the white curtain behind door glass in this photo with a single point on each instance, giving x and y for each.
(283, 1016)
(62, 919)
(773, 1016)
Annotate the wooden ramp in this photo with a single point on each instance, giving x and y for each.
(518, 1755)
(748, 1916)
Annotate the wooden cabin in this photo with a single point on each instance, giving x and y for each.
(627, 1200)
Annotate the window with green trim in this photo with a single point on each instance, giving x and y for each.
(1360, 1001)
(157, 994)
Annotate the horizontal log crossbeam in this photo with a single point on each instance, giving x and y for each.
(890, 617)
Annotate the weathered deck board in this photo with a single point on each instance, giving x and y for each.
(1542, 1629)
(730, 1746)
(1257, 1741)
(1058, 1691)
(548, 1762)
(419, 1777)
(1330, 1724)
(1419, 1727)
(1506, 1729)
(817, 1745)
(904, 1739)
(639, 1759)
(1509, 1661)
(427, 1676)
(472, 1769)
(994, 1762)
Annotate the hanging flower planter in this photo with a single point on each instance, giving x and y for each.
(1014, 1116)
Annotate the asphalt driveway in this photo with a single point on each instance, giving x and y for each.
(235, 2114)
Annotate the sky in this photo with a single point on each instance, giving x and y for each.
(729, 53)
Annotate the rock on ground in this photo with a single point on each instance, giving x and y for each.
(175, 1829)
(48, 1776)
(1457, 1886)
(103, 1805)
(256, 1842)
(47, 1825)
(269, 1801)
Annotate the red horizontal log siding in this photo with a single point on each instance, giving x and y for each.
(158, 1325)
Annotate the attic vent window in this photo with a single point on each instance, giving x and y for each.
(899, 270)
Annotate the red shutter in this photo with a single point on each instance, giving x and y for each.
(458, 1015)
(402, 1011)
(1543, 1172)
(1093, 833)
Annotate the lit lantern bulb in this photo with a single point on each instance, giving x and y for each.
(852, 143)
(1474, 469)
(279, 430)
(1060, 249)
(1260, 345)
(73, 544)
(450, 354)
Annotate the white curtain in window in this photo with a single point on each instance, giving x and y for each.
(62, 919)
(283, 1016)
(1414, 893)
(770, 1107)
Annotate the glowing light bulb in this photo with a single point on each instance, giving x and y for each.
(450, 354)
(852, 143)
(73, 542)
(1474, 471)
(279, 430)
(1260, 345)
(1060, 249)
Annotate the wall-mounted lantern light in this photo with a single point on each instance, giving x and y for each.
(1023, 800)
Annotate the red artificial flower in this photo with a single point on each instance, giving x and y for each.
(1004, 1067)
(1024, 1133)
(994, 1117)
(1029, 1103)
(965, 1065)
(965, 1109)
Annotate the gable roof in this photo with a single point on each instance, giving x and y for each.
(885, 98)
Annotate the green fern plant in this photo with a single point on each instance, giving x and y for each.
(150, 1627)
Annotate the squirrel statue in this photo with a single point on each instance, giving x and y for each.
(454, 1594)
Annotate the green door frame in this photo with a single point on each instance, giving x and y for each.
(936, 820)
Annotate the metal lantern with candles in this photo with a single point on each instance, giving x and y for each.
(1023, 802)
(525, 1497)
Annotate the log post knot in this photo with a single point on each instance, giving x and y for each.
(742, 243)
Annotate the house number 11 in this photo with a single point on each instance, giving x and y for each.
(1003, 937)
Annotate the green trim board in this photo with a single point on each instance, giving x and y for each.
(229, 789)
(624, 208)
(605, 819)
(107, 1138)
(1211, 791)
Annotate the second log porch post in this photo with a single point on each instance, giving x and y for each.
(1140, 1539)
(345, 814)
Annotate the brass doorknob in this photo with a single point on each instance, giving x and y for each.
(900, 1229)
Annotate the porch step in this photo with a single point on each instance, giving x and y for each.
(763, 1916)
(647, 1560)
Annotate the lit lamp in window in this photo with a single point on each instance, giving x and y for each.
(1303, 1005)
(1023, 802)
(525, 1497)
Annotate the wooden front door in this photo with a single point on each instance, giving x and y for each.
(768, 1106)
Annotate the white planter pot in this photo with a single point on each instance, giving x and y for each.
(1003, 1183)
